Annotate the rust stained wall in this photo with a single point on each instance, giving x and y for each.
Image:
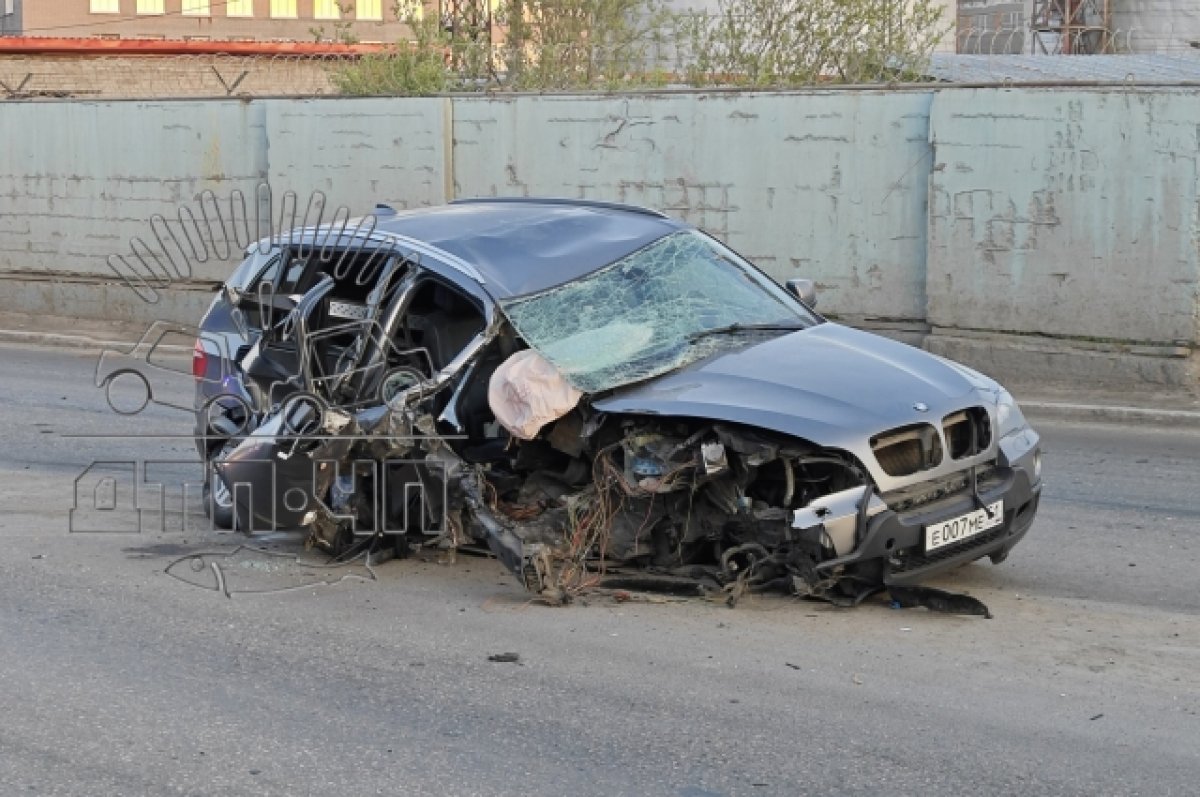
(1066, 213)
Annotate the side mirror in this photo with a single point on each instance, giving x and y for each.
(804, 290)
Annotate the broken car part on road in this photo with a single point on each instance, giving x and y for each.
(601, 396)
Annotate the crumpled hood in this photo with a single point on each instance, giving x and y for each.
(829, 384)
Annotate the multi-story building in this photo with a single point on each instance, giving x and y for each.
(10, 17)
(259, 20)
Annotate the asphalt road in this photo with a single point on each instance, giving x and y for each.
(118, 678)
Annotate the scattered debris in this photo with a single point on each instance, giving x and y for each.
(936, 600)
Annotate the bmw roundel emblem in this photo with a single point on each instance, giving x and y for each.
(921, 406)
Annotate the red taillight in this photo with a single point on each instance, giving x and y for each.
(199, 361)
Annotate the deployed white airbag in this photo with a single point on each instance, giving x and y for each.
(527, 392)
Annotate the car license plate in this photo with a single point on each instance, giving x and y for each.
(963, 527)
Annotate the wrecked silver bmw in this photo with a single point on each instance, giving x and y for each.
(600, 396)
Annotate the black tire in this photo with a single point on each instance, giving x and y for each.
(217, 500)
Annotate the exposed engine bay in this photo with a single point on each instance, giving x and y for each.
(684, 507)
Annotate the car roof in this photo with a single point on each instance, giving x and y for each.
(520, 246)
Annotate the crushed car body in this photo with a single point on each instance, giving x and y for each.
(600, 396)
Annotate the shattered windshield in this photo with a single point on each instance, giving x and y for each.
(671, 303)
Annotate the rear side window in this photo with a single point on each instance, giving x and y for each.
(276, 271)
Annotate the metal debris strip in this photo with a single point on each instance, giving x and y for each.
(936, 600)
(1154, 69)
(213, 229)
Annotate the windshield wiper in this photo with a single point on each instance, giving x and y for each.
(730, 329)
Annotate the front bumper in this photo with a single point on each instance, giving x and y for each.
(908, 563)
(894, 543)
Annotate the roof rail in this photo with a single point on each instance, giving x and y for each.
(584, 203)
(373, 235)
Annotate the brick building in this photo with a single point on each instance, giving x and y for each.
(217, 20)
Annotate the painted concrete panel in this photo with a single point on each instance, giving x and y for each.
(1067, 218)
(102, 299)
(1066, 213)
(360, 151)
(79, 180)
(826, 185)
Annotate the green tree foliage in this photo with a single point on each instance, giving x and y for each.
(616, 44)
(571, 44)
(412, 70)
(416, 68)
(804, 42)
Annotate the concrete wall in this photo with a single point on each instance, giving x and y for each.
(85, 185)
(79, 181)
(1073, 215)
(360, 151)
(827, 186)
(1034, 233)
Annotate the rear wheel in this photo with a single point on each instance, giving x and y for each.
(217, 498)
